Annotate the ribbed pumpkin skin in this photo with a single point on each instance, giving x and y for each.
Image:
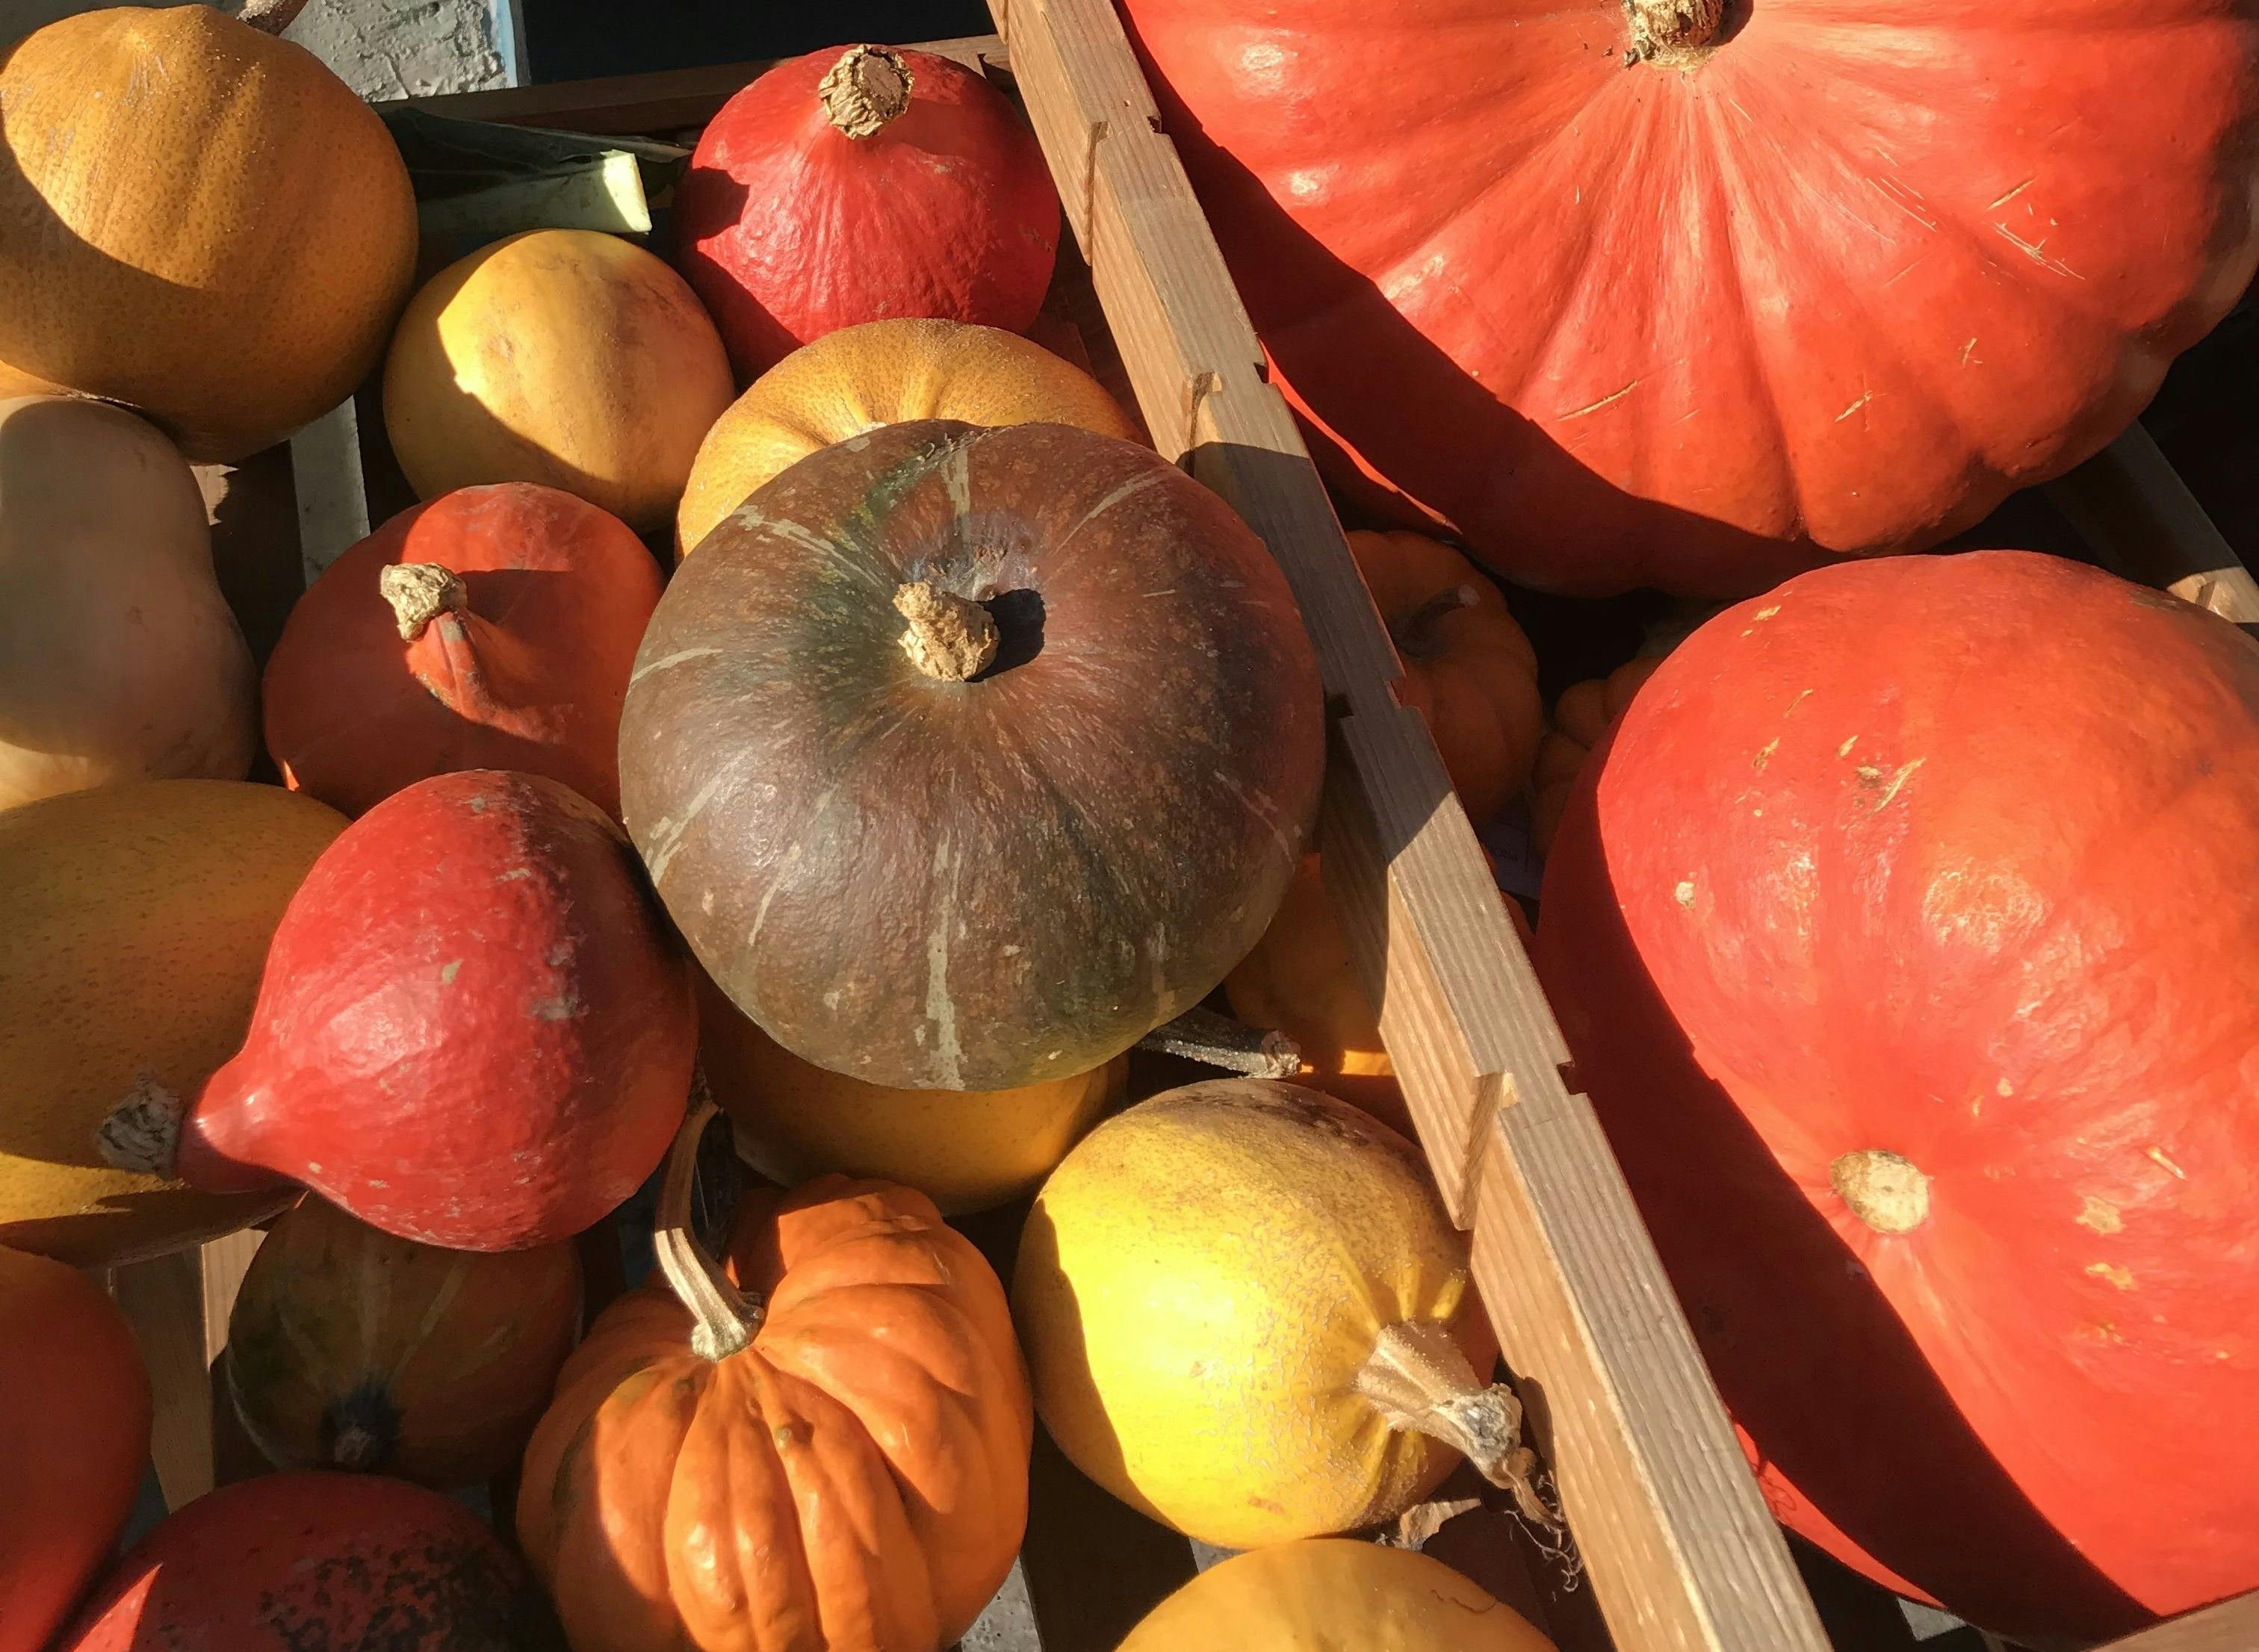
(350, 1348)
(1840, 286)
(862, 1465)
(1948, 858)
(973, 886)
(74, 1440)
(528, 676)
(882, 372)
(197, 220)
(137, 919)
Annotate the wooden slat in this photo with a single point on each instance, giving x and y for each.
(2232, 1626)
(178, 1304)
(2132, 506)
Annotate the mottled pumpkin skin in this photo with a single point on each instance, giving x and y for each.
(862, 1466)
(1949, 858)
(980, 884)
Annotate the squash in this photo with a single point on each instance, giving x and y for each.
(1328, 1593)
(288, 1562)
(1468, 669)
(75, 1410)
(1935, 964)
(137, 919)
(493, 628)
(564, 357)
(1584, 713)
(350, 1348)
(1246, 1315)
(474, 1029)
(966, 1150)
(850, 187)
(1003, 858)
(120, 659)
(882, 372)
(199, 221)
(848, 1394)
(1679, 293)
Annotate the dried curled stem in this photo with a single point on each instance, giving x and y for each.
(723, 1317)
(1218, 1041)
(1420, 1381)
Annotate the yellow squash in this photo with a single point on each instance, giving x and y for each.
(1246, 1314)
(136, 920)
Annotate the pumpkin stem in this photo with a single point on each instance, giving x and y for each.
(419, 592)
(143, 1132)
(1883, 1190)
(1414, 634)
(725, 1317)
(1419, 1380)
(1674, 31)
(1218, 1041)
(950, 637)
(270, 16)
(865, 89)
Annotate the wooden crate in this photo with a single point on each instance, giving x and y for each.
(1681, 1553)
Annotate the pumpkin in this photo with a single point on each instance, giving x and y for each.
(966, 1150)
(854, 186)
(288, 1562)
(493, 628)
(1679, 293)
(137, 919)
(564, 357)
(882, 372)
(1329, 1592)
(75, 1410)
(848, 1395)
(473, 1031)
(1934, 963)
(120, 659)
(1468, 669)
(1584, 713)
(969, 756)
(1246, 1315)
(350, 1348)
(199, 221)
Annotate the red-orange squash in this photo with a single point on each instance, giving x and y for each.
(493, 628)
(826, 1446)
(1906, 935)
(74, 1440)
(1691, 292)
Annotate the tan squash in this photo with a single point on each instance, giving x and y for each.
(120, 658)
(197, 220)
(883, 373)
(136, 920)
(564, 357)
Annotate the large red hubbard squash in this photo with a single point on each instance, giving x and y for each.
(1905, 932)
(1690, 293)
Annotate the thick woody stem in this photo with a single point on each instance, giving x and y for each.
(1884, 1190)
(270, 16)
(1674, 29)
(1419, 1381)
(723, 1317)
(865, 89)
(142, 1133)
(419, 592)
(1203, 1036)
(950, 637)
(1414, 634)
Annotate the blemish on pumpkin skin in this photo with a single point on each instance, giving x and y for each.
(2122, 1278)
(1798, 700)
(2156, 1155)
(1872, 776)
(1765, 757)
(1845, 750)
(449, 971)
(2102, 1216)
(1685, 894)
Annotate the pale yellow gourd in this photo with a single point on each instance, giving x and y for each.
(1246, 1314)
(120, 658)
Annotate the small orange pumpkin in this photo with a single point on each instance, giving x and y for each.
(1468, 668)
(1580, 717)
(826, 1446)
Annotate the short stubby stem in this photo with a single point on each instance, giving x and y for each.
(865, 89)
(419, 592)
(1884, 1190)
(950, 637)
(1419, 1380)
(1671, 30)
(1414, 634)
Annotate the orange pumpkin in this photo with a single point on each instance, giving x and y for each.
(1467, 667)
(1580, 717)
(73, 1439)
(826, 1446)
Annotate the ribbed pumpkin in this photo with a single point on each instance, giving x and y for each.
(74, 1440)
(564, 357)
(1581, 717)
(491, 629)
(849, 187)
(1906, 935)
(966, 1150)
(137, 919)
(1246, 1314)
(826, 1446)
(1005, 857)
(120, 659)
(351, 1349)
(196, 220)
(1688, 294)
(882, 372)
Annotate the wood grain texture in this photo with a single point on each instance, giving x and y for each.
(2232, 1626)
(2130, 504)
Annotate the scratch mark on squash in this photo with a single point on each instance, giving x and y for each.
(1845, 750)
(940, 1007)
(2101, 1215)
(666, 834)
(1865, 396)
(1268, 823)
(681, 657)
(2156, 1155)
(1872, 776)
(1594, 407)
(1765, 757)
(2036, 251)
(1966, 350)
(2012, 195)
(1129, 489)
(1798, 700)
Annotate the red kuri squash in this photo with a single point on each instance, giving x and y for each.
(474, 1029)
(1691, 292)
(74, 1440)
(492, 628)
(1906, 935)
(848, 187)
